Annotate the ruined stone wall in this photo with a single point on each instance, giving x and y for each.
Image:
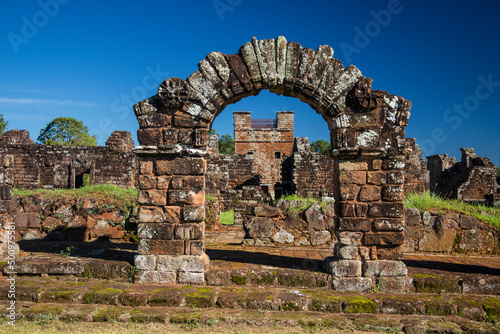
(416, 173)
(57, 166)
(473, 179)
(429, 232)
(268, 146)
(313, 174)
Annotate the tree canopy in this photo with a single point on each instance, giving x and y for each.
(321, 146)
(226, 142)
(66, 131)
(3, 124)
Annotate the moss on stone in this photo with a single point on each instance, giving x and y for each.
(101, 296)
(491, 306)
(186, 317)
(59, 295)
(436, 284)
(465, 303)
(201, 298)
(52, 310)
(290, 306)
(109, 314)
(145, 316)
(259, 300)
(165, 297)
(357, 304)
(231, 300)
(263, 279)
(294, 280)
(239, 280)
(439, 307)
(323, 302)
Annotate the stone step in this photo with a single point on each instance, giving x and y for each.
(85, 291)
(221, 320)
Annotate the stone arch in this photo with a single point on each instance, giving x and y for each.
(367, 135)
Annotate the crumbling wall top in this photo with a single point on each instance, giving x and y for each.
(16, 137)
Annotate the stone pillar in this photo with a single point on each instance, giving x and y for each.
(171, 218)
(370, 225)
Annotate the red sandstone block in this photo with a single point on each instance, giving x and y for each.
(347, 209)
(361, 209)
(189, 231)
(376, 178)
(384, 238)
(155, 231)
(27, 219)
(349, 177)
(393, 193)
(369, 194)
(181, 166)
(195, 247)
(354, 224)
(154, 120)
(172, 214)
(161, 247)
(152, 197)
(395, 178)
(163, 182)
(150, 137)
(170, 136)
(147, 182)
(186, 136)
(349, 192)
(388, 209)
(376, 164)
(186, 197)
(201, 137)
(183, 120)
(177, 182)
(151, 214)
(390, 253)
(146, 167)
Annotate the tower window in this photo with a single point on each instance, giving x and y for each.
(277, 155)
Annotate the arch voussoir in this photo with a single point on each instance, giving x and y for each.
(367, 136)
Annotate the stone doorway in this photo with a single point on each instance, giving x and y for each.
(367, 136)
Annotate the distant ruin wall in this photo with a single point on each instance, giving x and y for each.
(473, 179)
(66, 167)
(416, 173)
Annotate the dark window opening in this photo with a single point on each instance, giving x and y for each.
(277, 155)
(83, 179)
(249, 152)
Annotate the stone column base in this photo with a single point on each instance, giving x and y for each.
(359, 276)
(171, 269)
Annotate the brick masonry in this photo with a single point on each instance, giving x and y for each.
(367, 135)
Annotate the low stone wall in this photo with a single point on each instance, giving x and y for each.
(449, 233)
(270, 226)
(78, 220)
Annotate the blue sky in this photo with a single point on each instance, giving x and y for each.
(92, 60)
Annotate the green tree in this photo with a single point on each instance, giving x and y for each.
(226, 144)
(498, 175)
(3, 124)
(321, 146)
(66, 131)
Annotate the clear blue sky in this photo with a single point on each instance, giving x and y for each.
(92, 60)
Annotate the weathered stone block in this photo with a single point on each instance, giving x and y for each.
(349, 177)
(293, 221)
(27, 219)
(152, 197)
(154, 120)
(319, 238)
(170, 137)
(183, 120)
(315, 217)
(352, 284)
(190, 231)
(163, 182)
(193, 213)
(180, 263)
(469, 222)
(434, 242)
(349, 253)
(147, 182)
(150, 137)
(267, 211)
(201, 137)
(412, 217)
(350, 238)
(393, 284)
(186, 197)
(389, 210)
(393, 193)
(51, 223)
(361, 209)
(389, 224)
(384, 238)
(390, 253)
(349, 192)
(376, 164)
(477, 241)
(282, 237)
(342, 268)
(6, 192)
(146, 167)
(395, 178)
(172, 214)
(353, 166)
(181, 166)
(191, 278)
(384, 268)
(259, 228)
(347, 209)
(354, 224)
(376, 178)
(155, 231)
(195, 247)
(161, 247)
(155, 277)
(369, 194)
(145, 262)
(186, 136)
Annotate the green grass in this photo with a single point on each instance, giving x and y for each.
(108, 192)
(227, 217)
(427, 201)
(211, 198)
